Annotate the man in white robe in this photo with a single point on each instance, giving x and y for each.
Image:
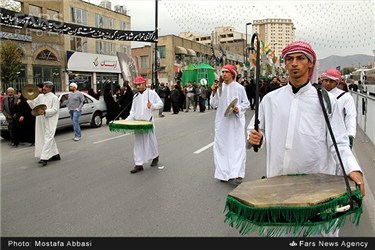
(45, 125)
(230, 138)
(330, 79)
(292, 125)
(145, 144)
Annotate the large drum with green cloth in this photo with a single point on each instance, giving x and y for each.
(131, 126)
(301, 204)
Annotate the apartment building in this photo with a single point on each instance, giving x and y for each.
(231, 41)
(176, 53)
(276, 32)
(63, 58)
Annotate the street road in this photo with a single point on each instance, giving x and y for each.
(91, 193)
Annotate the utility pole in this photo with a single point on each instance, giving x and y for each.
(156, 48)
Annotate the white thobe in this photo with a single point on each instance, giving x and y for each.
(296, 136)
(347, 110)
(45, 125)
(145, 144)
(230, 139)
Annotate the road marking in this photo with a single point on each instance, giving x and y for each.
(204, 148)
(109, 139)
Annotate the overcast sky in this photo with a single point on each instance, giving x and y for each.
(333, 27)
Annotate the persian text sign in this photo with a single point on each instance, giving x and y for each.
(8, 17)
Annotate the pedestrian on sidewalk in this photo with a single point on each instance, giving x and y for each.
(74, 105)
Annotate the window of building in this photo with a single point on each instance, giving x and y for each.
(145, 62)
(178, 58)
(162, 52)
(42, 73)
(35, 10)
(46, 55)
(99, 21)
(78, 44)
(111, 23)
(125, 48)
(105, 48)
(124, 26)
(104, 22)
(79, 16)
(53, 15)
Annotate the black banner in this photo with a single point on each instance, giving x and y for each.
(8, 17)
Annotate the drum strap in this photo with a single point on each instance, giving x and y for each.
(126, 107)
(322, 93)
(340, 95)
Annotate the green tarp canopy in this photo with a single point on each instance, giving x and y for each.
(197, 73)
(189, 74)
(205, 71)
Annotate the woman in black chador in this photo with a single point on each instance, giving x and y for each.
(112, 107)
(25, 125)
(126, 100)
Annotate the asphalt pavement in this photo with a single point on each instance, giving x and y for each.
(91, 193)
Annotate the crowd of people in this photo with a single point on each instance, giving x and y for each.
(291, 123)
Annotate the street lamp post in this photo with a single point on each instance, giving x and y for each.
(246, 56)
(274, 64)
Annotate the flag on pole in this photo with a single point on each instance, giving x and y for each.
(128, 65)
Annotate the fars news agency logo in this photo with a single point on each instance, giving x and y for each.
(293, 244)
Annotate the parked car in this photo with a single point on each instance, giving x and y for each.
(92, 113)
(4, 127)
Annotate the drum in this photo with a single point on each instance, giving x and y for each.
(130, 126)
(304, 204)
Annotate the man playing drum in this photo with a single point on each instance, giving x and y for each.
(145, 144)
(293, 128)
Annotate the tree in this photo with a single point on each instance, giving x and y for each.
(348, 70)
(10, 5)
(10, 61)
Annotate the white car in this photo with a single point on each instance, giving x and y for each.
(4, 127)
(92, 113)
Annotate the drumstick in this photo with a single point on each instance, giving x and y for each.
(257, 74)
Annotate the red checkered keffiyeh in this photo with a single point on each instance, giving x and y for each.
(332, 74)
(305, 48)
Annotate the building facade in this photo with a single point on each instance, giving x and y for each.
(175, 54)
(276, 32)
(231, 41)
(64, 58)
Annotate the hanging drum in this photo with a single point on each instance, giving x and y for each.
(303, 204)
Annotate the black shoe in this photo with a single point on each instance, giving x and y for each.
(55, 157)
(155, 162)
(238, 181)
(43, 162)
(137, 168)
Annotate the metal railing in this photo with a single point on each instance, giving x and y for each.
(365, 105)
